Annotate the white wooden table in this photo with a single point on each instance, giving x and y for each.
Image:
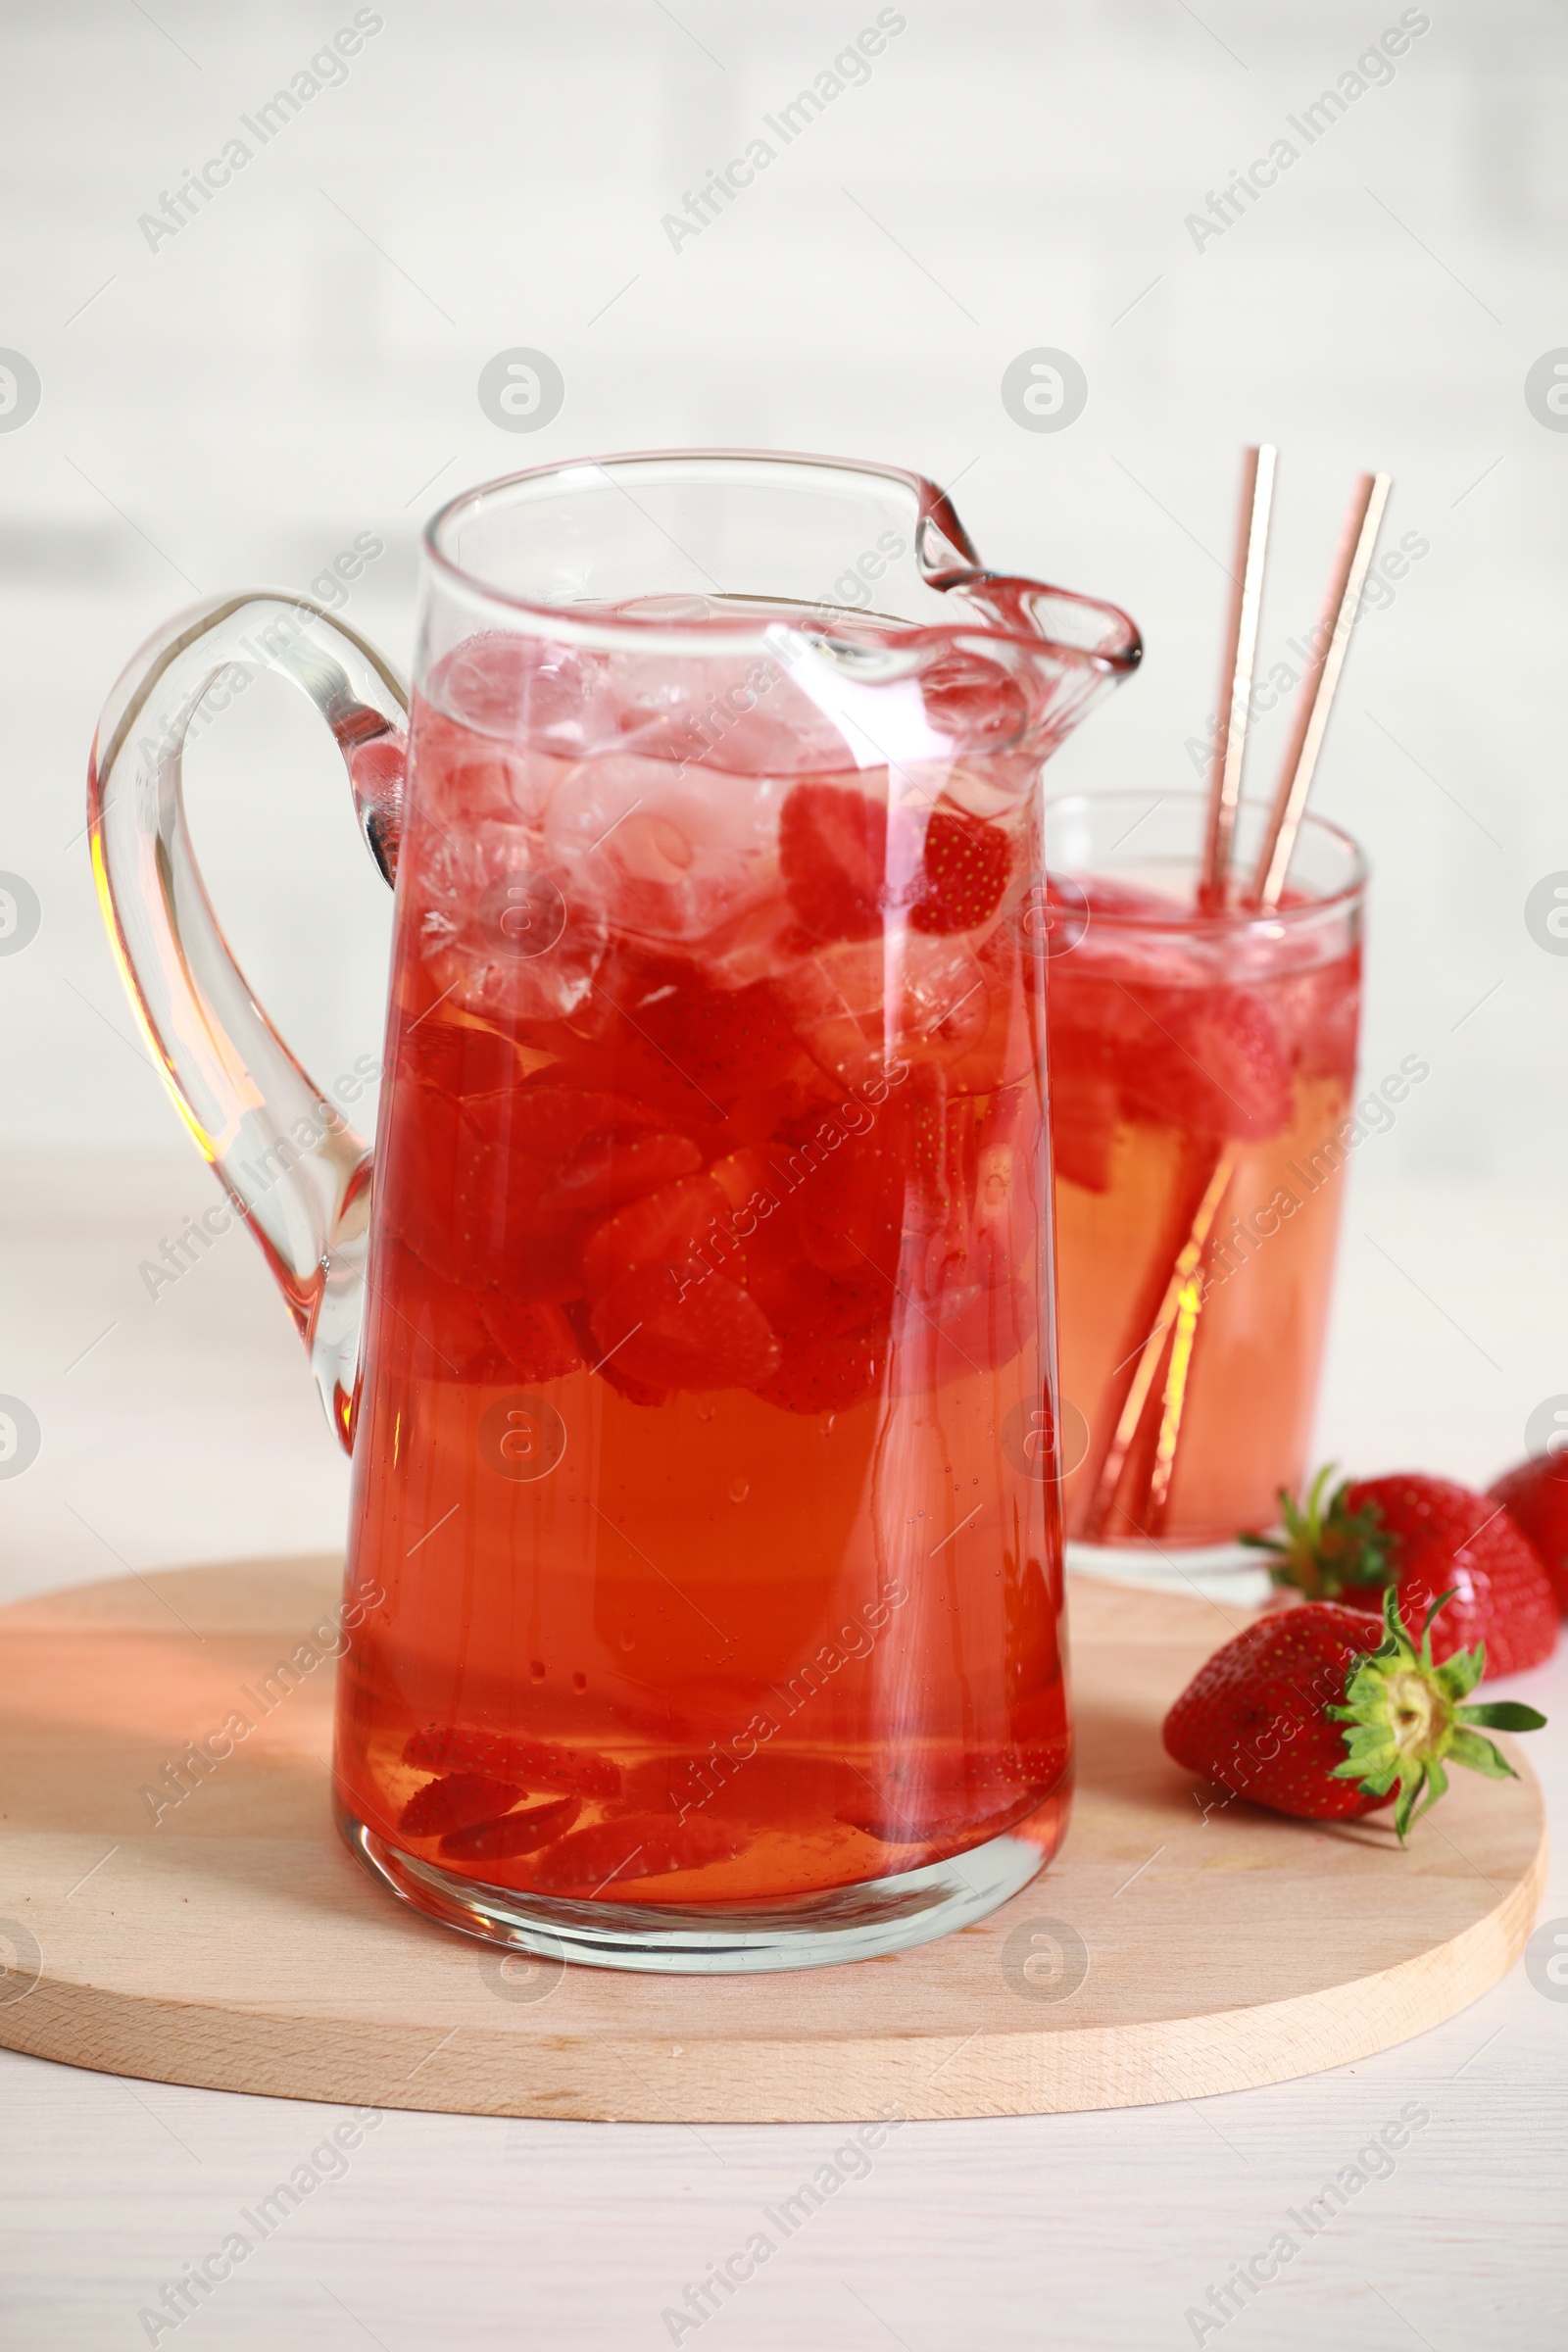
(191, 1432)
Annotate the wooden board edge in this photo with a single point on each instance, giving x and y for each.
(589, 2079)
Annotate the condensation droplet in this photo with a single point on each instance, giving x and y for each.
(536, 1668)
(705, 1410)
(580, 1683)
(628, 1641)
(739, 1489)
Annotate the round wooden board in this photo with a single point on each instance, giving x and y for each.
(235, 1944)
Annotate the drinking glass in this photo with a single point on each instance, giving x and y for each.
(705, 1529)
(1203, 1064)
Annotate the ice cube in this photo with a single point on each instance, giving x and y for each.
(527, 691)
(859, 1003)
(462, 778)
(675, 853)
(987, 788)
(945, 996)
(739, 713)
(762, 944)
(503, 931)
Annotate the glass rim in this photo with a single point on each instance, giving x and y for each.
(943, 552)
(1227, 919)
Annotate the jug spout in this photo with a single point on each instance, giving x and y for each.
(919, 647)
(1067, 650)
(1058, 618)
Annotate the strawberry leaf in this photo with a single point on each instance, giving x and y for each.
(1482, 1755)
(1403, 1723)
(1326, 1548)
(1461, 1674)
(1504, 1715)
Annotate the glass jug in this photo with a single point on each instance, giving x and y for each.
(691, 1331)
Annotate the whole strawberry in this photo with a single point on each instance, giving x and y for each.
(1536, 1496)
(1308, 1713)
(1422, 1537)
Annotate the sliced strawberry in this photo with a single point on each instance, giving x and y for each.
(1234, 1038)
(769, 1787)
(455, 1803)
(1094, 1029)
(546, 1122)
(675, 1331)
(514, 1834)
(828, 1375)
(668, 1226)
(543, 1162)
(420, 1182)
(832, 845)
(966, 1327)
(779, 1788)
(753, 1118)
(851, 1213)
(722, 1039)
(535, 1339)
(542, 1259)
(963, 873)
(940, 1798)
(617, 1036)
(488, 1221)
(803, 1303)
(934, 1821)
(745, 1178)
(459, 1058)
(615, 1164)
(623, 1061)
(663, 1785)
(530, 1763)
(1211, 1061)
(613, 1854)
(606, 1366)
(961, 1309)
(438, 1327)
(761, 1220)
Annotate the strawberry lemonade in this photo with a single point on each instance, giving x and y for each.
(1203, 1067)
(703, 1454)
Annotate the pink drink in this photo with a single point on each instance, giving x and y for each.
(1199, 1069)
(709, 1314)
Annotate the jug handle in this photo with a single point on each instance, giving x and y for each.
(292, 1166)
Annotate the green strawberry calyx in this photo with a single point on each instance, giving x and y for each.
(1404, 1721)
(1327, 1547)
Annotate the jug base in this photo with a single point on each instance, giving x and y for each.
(815, 1931)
